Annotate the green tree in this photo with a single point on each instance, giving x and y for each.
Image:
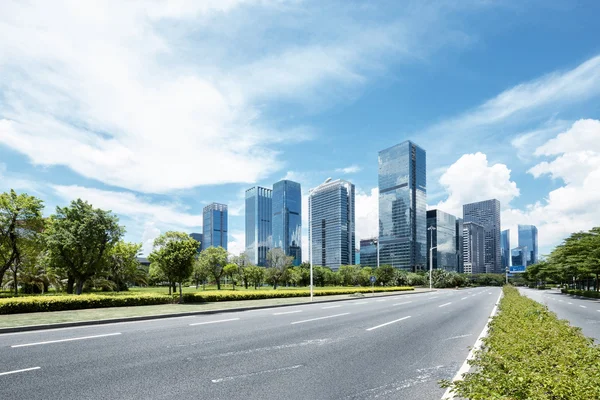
(174, 252)
(200, 273)
(79, 237)
(124, 266)
(349, 275)
(243, 262)
(278, 263)
(384, 274)
(231, 270)
(256, 275)
(214, 260)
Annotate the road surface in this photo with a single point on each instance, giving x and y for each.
(385, 348)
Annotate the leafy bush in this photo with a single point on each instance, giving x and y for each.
(530, 354)
(584, 293)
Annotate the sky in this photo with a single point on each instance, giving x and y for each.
(154, 109)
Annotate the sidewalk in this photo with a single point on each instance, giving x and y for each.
(61, 319)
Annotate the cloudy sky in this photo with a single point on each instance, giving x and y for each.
(154, 109)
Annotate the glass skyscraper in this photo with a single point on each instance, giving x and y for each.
(287, 218)
(368, 253)
(197, 237)
(443, 238)
(258, 224)
(487, 214)
(403, 207)
(331, 228)
(505, 248)
(473, 248)
(528, 237)
(519, 256)
(460, 263)
(214, 229)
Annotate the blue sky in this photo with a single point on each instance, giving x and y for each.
(154, 109)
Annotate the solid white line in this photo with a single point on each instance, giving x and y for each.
(387, 323)
(230, 378)
(65, 340)
(18, 370)
(448, 395)
(325, 308)
(444, 305)
(287, 312)
(316, 319)
(399, 304)
(214, 322)
(583, 306)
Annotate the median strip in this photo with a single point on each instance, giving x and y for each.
(316, 319)
(388, 323)
(18, 370)
(65, 340)
(214, 322)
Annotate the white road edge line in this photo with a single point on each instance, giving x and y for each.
(444, 305)
(316, 319)
(18, 370)
(387, 323)
(214, 322)
(65, 340)
(448, 395)
(325, 308)
(287, 312)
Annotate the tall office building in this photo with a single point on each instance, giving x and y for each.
(368, 253)
(473, 248)
(441, 234)
(403, 207)
(197, 237)
(460, 263)
(528, 237)
(258, 224)
(505, 248)
(519, 255)
(331, 228)
(487, 214)
(287, 218)
(214, 229)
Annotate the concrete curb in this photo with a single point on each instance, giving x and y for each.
(29, 328)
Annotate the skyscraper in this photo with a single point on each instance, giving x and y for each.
(214, 229)
(528, 237)
(459, 246)
(287, 218)
(473, 248)
(443, 238)
(258, 224)
(487, 214)
(505, 248)
(368, 253)
(403, 207)
(197, 237)
(331, 229)
(519, 255)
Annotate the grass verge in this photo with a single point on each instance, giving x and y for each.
(531, 354)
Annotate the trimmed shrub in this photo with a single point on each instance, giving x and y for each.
(530, 354)
(584, 293)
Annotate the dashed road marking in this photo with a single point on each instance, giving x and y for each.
(65, 340)
(214, 322)
(444, 305)
(18, 370)
(388, 323)
(287, 312)
(319, 318)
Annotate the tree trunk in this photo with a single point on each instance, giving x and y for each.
(70, 284)
(79, 285)
(1, 277)
(170, 287)
(218, 280)
(180, 294)
(174, 287)
(597, 286)
(15, 283)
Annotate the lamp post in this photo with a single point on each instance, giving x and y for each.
(376, 243)
(431, 229)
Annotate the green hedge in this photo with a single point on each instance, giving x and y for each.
(268, 294)
(584, 293)
(530, 354)
(31, 304)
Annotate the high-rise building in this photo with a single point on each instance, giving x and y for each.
(368, 253)
(519, 256)
(287, 218)
(505, 248)
(214, 229)
(487, 214)
(331, 228)
(357, 256)
(528, 237)
(258, 224)
(442, 236)
(473, 248)
(460, 263)
(403, 207)
(197, 237)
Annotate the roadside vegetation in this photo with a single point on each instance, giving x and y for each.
(530, 354)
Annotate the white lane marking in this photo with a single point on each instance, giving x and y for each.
(388, 323)
(569, 303)
(268, 371)
(361, 302)
(287, 312)
(598, 310)
(65, 340)
(325, 308)
(18, 370)
(444, 305)
(448, 395)
(434, 297)
(381, 300)
(583, 306)
(459, 336)
(399, 304)
(316, 319)
(214, 322)
(464, 298)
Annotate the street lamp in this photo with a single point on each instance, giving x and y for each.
(375, 241)
(431, 229)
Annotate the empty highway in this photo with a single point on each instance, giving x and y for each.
(386, 348)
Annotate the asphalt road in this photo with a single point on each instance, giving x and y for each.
(385, 348)
(581, 312)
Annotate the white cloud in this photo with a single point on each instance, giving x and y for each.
(236, 242)
(150, 233)
(472, 179)
(525, 142)
(367, 214)
(352, 169)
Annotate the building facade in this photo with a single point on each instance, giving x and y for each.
(528, 237)
(519, 255)
(460, 263)
(197, 237)
(368, 253)
(214, 229)
(505, 248)
(258, 224)
(473, 248)
(441, 234)
(403, 207)
(287, 218)
(487, 214)
(331, 226)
